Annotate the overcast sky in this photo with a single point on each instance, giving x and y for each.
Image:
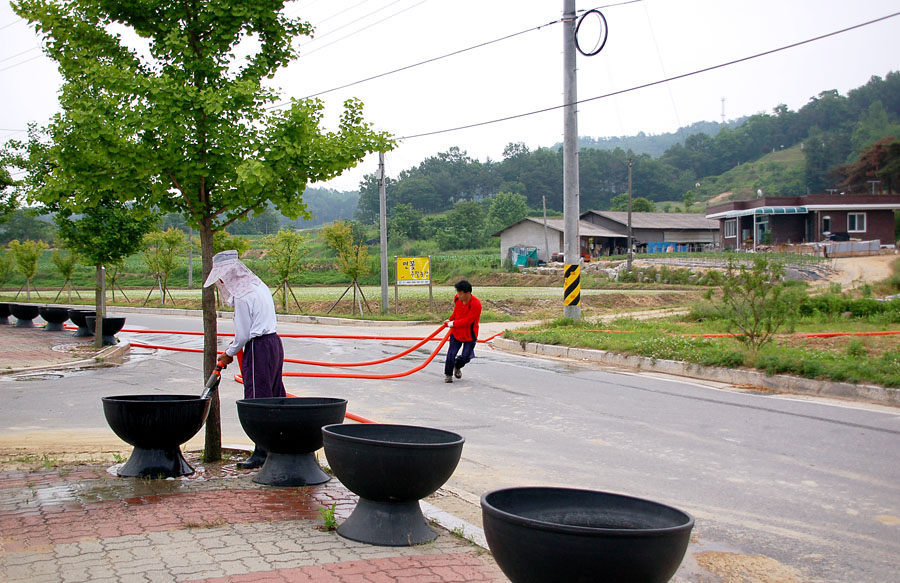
(648, 41)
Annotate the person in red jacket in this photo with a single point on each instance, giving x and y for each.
(463, 324)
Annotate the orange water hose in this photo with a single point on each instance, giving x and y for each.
(370, 362)
(796, 335)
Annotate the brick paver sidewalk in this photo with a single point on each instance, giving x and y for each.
(36, 348)
(82, 523)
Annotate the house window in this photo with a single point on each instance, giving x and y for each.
(731, 229)
(826, 224)
(856, 222)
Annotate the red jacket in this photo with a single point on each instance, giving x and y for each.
(465, 319)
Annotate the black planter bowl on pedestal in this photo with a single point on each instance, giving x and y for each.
(390, 468)
(54, 316)
(25, 314)
(156, 425)
(4, 314)
(111, 327)
(78, 318)
(290, 431)
(544, 535)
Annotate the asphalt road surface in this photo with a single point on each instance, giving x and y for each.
(811, 485)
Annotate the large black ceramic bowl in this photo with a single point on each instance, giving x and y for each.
(544, 535)
(111, 327)
(54, 316)
(390, 468)
(4, 313)
(156, 425)
(25, 314)
(290, 430)
(78, 318)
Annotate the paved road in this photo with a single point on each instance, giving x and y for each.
(812, 486)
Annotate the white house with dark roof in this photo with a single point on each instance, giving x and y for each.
(603, 233)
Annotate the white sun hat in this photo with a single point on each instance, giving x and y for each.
(231, 276)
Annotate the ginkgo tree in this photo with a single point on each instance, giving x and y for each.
(179, 123)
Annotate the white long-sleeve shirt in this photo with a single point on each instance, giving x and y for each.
(254, 315)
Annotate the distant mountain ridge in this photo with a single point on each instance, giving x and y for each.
(653, 144)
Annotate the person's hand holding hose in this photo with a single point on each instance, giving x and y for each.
(224, 360)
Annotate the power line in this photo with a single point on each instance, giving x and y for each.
(659, 82)
(5, 26)
(332, 31)
(366, 27)
(425, 62)
(21, 63)
(18, 54)
(327, 18)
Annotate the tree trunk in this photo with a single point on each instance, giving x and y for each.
(100, 306)
(213, 449)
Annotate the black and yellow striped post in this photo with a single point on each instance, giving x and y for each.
(572, 292)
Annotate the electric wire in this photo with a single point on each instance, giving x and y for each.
(657, 82)
(377, 22)
(451, 54)
(345, 25)
(18, 54)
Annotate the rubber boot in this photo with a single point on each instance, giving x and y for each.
(256, 459)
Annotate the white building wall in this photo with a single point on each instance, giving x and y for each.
(530, 234)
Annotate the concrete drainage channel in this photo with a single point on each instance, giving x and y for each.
(776, 383)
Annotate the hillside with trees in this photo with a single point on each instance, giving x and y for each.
(834, 141)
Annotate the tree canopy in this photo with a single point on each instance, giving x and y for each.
(185, 126)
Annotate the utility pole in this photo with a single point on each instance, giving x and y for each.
(630, 244)
(382, 206)
(546, 238)
(190, 257)
(572, 289)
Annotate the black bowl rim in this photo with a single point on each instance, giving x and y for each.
(162, 398)
(327, 430)
(268, 401)
(487, 507)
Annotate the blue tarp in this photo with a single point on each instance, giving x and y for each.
(666, 247)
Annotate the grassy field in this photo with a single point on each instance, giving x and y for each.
(864, 355)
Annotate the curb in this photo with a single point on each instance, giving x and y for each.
(103, 357)
(778, 383)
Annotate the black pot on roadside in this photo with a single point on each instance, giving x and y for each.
(111, 327)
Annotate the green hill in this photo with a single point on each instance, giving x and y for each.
(780, 173)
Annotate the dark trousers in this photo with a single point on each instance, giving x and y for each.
(261, 367)
(453, 361)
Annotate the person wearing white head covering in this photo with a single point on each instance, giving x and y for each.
(254, 333)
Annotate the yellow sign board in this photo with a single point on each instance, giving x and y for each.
(413, 270)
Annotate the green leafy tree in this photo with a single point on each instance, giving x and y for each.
(755, 301)
(186, 126)
(638, 204)
(7, 267)
(406, 222)
(161, 253)
(8, 201)
(114, 271)
(286, 250)
(23, 224)
(27, 254)
(223, 241)
(507, 208)
(65, 263)
(345, 239)
(105, 234)
(464, 227)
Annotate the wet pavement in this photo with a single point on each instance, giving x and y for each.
(83, 523)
